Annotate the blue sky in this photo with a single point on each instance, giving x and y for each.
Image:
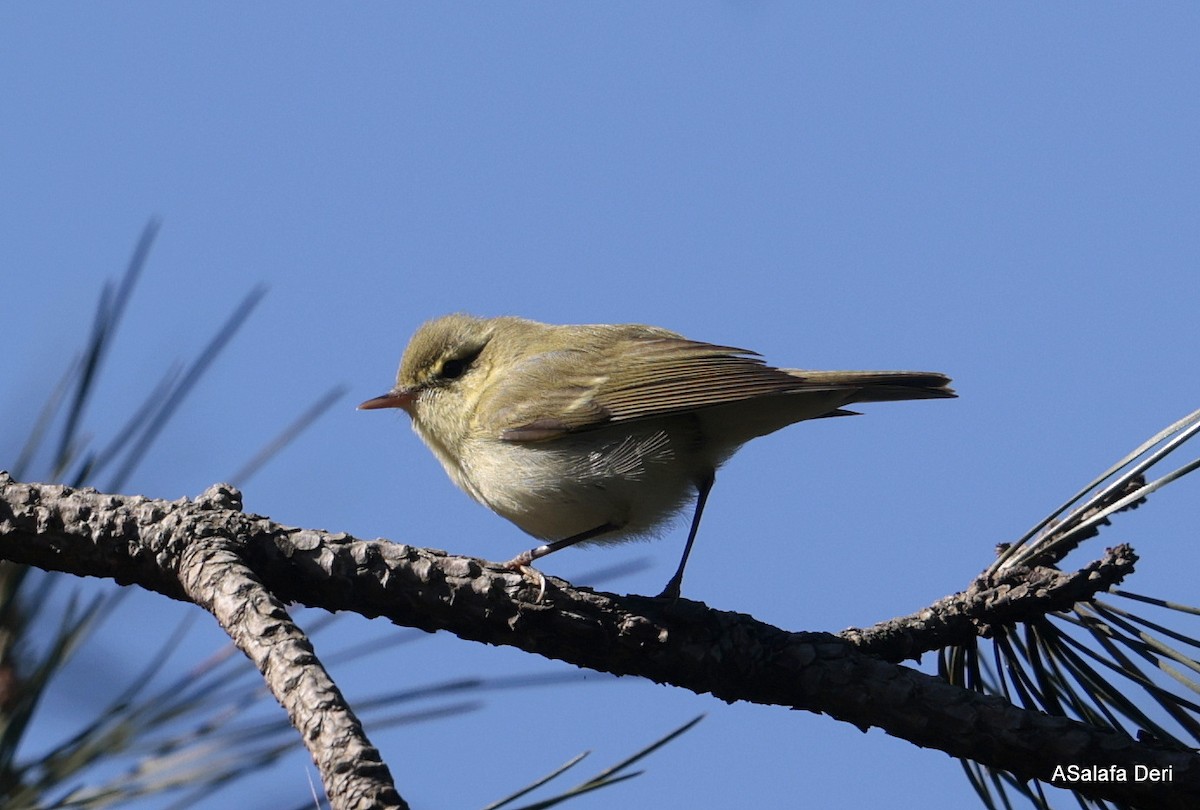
(1008, 194)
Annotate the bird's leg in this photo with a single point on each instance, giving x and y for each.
(526, 557)
(703, 487)
(522, 561)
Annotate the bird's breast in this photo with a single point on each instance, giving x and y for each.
(635, 478)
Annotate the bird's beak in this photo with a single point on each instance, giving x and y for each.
(396, 398)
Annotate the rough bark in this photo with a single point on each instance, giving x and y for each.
(135, 540)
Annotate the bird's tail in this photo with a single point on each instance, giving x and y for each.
(880, 386)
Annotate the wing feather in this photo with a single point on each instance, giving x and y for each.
(626, 375)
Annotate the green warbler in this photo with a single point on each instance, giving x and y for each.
(603, 433)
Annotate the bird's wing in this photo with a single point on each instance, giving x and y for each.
(646, 375)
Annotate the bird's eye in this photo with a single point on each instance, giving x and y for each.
(452, 369)
(457, 365)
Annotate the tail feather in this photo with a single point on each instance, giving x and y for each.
(881, 386)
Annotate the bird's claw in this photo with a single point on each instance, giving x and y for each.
(521, 563)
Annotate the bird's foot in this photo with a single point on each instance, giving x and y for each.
(521, 563)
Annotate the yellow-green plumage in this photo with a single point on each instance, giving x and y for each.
(598, 433)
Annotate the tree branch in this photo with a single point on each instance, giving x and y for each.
(207, 568)
(1017, 594)
(730, 655)
(215, 576)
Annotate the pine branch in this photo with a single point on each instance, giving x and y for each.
(1015, 595)
(154, 544)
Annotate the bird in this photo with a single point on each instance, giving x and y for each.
(602, 433)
